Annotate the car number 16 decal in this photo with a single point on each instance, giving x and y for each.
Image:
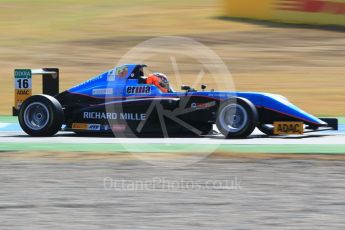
(22, 86)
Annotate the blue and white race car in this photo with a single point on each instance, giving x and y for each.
(122, 102)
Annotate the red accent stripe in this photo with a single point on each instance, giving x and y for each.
(128, 101)
(286, 114)
(129, 97)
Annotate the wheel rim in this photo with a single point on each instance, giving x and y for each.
(233, 118)
(36, 116)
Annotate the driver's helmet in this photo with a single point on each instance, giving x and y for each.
(160, 80)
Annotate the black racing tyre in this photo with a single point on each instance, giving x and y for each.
(237, 118)
(41, 116)
(267, 129)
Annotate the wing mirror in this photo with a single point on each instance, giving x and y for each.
(185, 87)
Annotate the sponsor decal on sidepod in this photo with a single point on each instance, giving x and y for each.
(115, 116)
(85, 126)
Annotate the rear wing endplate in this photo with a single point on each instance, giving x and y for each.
(23, 84)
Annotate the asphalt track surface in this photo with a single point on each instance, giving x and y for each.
(88, 189)
(216, 193)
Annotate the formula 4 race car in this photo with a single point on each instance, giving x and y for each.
(121, 102)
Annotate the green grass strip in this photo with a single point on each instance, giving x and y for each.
(175, 148)
(8, 119)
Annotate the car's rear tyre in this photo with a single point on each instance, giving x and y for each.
(237, 118)
(267, 129)
(41, 116)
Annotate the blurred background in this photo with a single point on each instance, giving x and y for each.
(86, 37)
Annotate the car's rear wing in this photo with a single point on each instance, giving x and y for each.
(23, 84)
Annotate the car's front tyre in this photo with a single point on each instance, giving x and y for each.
(237, 118)
(41, 116)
